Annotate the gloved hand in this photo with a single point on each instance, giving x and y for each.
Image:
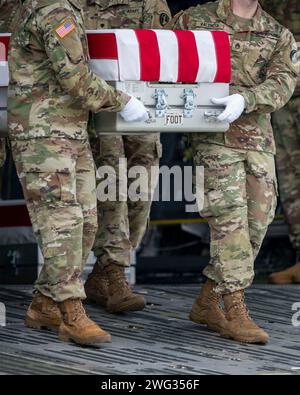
(134, 111)
(235, 105)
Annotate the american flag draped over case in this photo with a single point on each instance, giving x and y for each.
(152, 55)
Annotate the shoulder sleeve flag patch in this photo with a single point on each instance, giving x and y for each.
(67, 27)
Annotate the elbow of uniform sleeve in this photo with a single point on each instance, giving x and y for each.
(113, 101)
(255, 101)
(250, 101)
(270, 96)
(281, 79)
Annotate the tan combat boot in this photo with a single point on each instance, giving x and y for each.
(96, 286)
(43, 313)
(288, 276)
(120, 296)
(240, 326)
(206, 309)
(78, 327)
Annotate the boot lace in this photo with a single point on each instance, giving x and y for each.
(214, 297)
(53, 308)
(79, 309)
(240, 305)
(78, 312)
(118, 281)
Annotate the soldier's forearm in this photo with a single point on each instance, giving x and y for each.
(269, 96)
(93, 92)
(265, 101)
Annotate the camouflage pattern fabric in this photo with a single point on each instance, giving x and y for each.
(264, 70)
(10, 11)
(51, 92)
(42, 61)
(286, 123)
(240, 202)
(239, 179)
(125, 14)
(286, 12)
(58, 180)
(121, 224)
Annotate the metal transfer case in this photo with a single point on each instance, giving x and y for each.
(171, 107)
(181, 99)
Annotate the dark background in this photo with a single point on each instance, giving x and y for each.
(178, 5)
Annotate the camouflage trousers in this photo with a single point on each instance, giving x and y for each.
(122, 224)
(240, 196)
(58, 180)
(286, 124)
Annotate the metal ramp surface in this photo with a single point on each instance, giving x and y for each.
(158, 340)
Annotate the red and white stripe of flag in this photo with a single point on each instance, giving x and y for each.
(161, 55)
(152, 55)
(4, 41)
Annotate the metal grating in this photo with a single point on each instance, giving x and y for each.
(158, 340)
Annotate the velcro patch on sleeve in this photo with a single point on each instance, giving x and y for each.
(66, 28)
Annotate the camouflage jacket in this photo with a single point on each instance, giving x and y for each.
(264, 70)
(125, 14)
(10, 11)
(51, 88)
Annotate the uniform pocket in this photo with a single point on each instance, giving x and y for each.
(42, 187)
(223, 190)
(49, 187)
(48, 171)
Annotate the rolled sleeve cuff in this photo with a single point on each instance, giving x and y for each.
(248, 95)
(124, 99)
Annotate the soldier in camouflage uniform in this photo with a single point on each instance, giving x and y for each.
(50, 95)
(121, 224)
(240, 180)
(9, 15)
(286, 123)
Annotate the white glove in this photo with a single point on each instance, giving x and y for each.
(235, 105)
(134, 111)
